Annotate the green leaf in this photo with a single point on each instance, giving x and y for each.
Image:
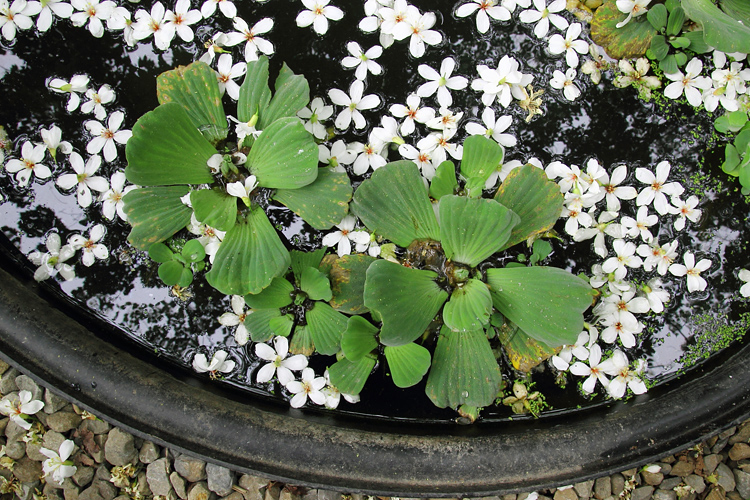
(303, 260)
(534, 198)
(731, 122)
(680, 42)
(480, 158)
(738, 9)
(185, 278)
(302, 342)
(196, 89)
(326, 327)
(656, 15)
(249, 258)
(697, 44)
(258, 324)
(393, 203)
(193, 251)
(349, 377)
(672, 4)
(473, 229)
(358, 338)
(659, 47)
(627, 42)
(675, 22)
(680, 58)
(469, 307)
(285, 156)
(292, 94)
(444, 181)
(315, 284)
(214, 208)
(276, 295)
(282, 325)
(407, 299)
(720, 30)
(167, 149)
(540, 251)
(545, 302)
(155, 214)
(171, 272)
(742, 140)
(159, 252)
(348, 283)
(321, 204)
(523, 352)
(408, 363)
(731, 160)
(464, 370)
(254, 92)
(669, 64)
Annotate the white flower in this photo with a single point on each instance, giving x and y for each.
(353, 104)
(120, 20)
(657, 187)
(345, 235)
(112, 199)
(576, 216)
(57, 7)
(278, 363)
(83, 178)
(616, 327)
(208, 236)
(571, 177)
(623, 309)
(594, 66)
(53, 261)
(625, 258)
(569, 45)
(368, 157)
(97, 100)
(58, 464)
(637, 76)
(493, 128)
(633, 8)
(16, 16)
(612, 189)
(604, 226)
(372, 246)
(640, 225)
(225, 6)
(313, 116)
(387, 133)
(695, 283)
(657, 256)
(318, 15)
(31, 156)
(333, 395)
(445, 120)
(77, 84)
(411, 112)
(744, 275)
(363, 61)
(689, 83)
(543, 15)
(52, 138)
(655, 295)
(441, 82)
(227, 74)
(237, 318)
(593, 370)
(423, 159)
(417, 27)
(500, 82)
(91, 249)
(105, 137)
(18, 410)
(182, 18)
(618, 367)
(94, 12)
(484, 9)
(215, 46)
(242, 191)
(154, 23)
(685, 210)
(219, 363)
(564, 81)
(244, 33)
(579, 349)
(439, 145)
(338, 155)
(310, 386)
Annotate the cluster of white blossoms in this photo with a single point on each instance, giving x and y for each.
(57, 257)
(397, 20)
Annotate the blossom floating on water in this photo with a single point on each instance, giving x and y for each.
(278, 363)
(237, 318)
(30, 163)
(254, 43)
(219, 363)
(93, 12)
(313, 115)
(364, 62)
(77, 84)
(226, 7)
(690, 83)
(104, 138)
(693, 270)
(154, 23)
(227, 73)
(318, 13)
(52, 138)
(543, 15)
(744, 275)
(16, 16)
(353, 104)
(657, 188)
(91, 247)
(564, 81)
(182, 18)
(53, 260)
(412, 113)
(309, 386)
(633, 8)
(484, 9)
(441, 82)
(571, 46)
(345, 234)
(83, 178)
(59, 8)
(57, 463)
(112, 198)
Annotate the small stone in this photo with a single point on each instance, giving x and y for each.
(4, 367)
(95, 425)
(666, 468)
(642, 493)
(90, 493)
(101, 441)
(14, 432)
(696, 482)
(603, 487)
(728, 433)
(710, 462)
(107, 490)
(253, 486)
(652, 478)
(733, 495)
(725, 477)
(584, 489)
(103, 473)
(8, 381)
(26, 383)
(83, 476)
(53, 402)
(664, 495)
(236, 495)
(273, 492)
(120, 448)
(142, 484)
(15, 449)
(157, 475)
(566, 494)
(742, 435)
(179, 485)
(669, 460)
(27, 470)
(149, 453)
(200, 491)
(51, 493)
(618, 484)
(682, 468)
(670, 483)
(63, 421)
(192, 469)
(32, 451)
(313, 495)
(52, 440)
(742, 483)
(510, 497)
(720, 445)
(220, 479)
(739, 451)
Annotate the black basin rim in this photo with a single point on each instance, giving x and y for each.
(55, 350)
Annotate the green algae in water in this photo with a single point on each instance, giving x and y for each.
(713, 332)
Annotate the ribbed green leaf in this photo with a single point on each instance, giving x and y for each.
(407, 300)
(315, 284)
(472, 229)
(349, 377)
(254, 92)
(170, 272)
(534, 198)
(675, 21)
(657, 16)
(249, 258)
(469, 307)
(738, 9)
(326, 327)
(258, 324)
(274, 296)
(303, 260)
(292, 93)
(464, 370)
(720, 30)
(282, 325)
(159, 252)
(697, 43)
(196, 89)
(302, 342)
(444, 181)
(348, 283)
(523, 352)
(408, 363)
(155, 214)
(321, 204)
(358, 338)
(626, 42)
(394, 203)
(545, 302)
(480, 158)
(167, 149)
(285, 156)
(215, 208)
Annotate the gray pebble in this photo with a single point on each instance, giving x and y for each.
(742, 435)
(510, 497)
(664, 495)
(666, 468)
(696, 482)
(8, 381)
(739, 451)
(32, 451)
(14, 432)
(26, 383)
(192, 469)
(720, 445)
(120, 447)
(220, 479)
(179, 485)
(90, 493)
(63, 421)
(710, 462)
(566, 494)
(149, 453)
(95, 425)
(101, 441)
(253, 486)
(157, 474)
(682, 468)
(670, 483)
(102, 473)
(52, 440)
(725, 477)
(107, 490)
(742, 483)
(142, 484)
(200, 491)
(15, 449)
(83, 476)
(53, 402)
(273, 492)
(27, 470)
(642, 493)
(652, 478)
(603, 487)
(50, 492)
(235, 495)
(618, 484)
(584, 489)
